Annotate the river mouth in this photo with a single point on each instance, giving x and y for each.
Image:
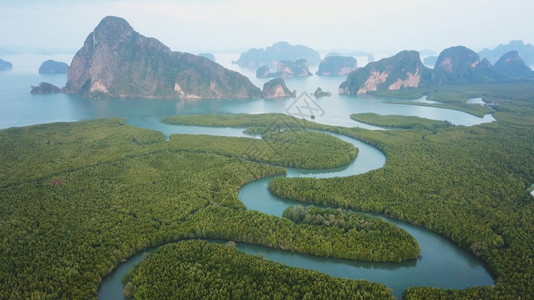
(441, 263)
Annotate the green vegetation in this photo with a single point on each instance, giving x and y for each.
(466, 183)
(201, 270)
(455, 96)
(78, 198)
(268, 121)
(403, 122)
(367, 231)
(290, 148)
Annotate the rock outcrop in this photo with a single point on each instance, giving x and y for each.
(116, 61)
(337, 66)
(281, 51)
(276, 88)
(5, 65)
(403, 70)
(511, 66)
(320, 93)
(45, 88)
(286, 69)
(53, 67)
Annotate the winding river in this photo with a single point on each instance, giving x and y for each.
(441, 264)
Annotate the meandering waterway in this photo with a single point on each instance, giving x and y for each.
(441, 264)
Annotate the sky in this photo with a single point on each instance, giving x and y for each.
(236, 25)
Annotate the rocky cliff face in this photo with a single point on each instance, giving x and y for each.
(5, 65)
(116, 61)
(53, 67)
(403, 70)
(337, 66)
(276, 88)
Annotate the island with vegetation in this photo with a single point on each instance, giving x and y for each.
(53, 67)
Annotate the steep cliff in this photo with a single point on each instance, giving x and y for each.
(116, 61)
(402, 70)
(337, 66)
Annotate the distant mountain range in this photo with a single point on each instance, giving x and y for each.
(455, 65)
(281, 51)
(526, 51)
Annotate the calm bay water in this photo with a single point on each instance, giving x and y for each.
(441, 264)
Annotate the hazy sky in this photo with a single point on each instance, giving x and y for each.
(208, 25)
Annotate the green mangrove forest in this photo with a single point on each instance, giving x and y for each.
(76, 199)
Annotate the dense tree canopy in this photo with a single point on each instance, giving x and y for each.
(77, 198)
(201, 270)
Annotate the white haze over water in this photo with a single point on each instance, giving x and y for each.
(385, 26)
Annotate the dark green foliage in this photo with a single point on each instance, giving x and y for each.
(367, 231)
(291, 148)
(77, 198)
(468, 184)
(403, 122)
(201, 270)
